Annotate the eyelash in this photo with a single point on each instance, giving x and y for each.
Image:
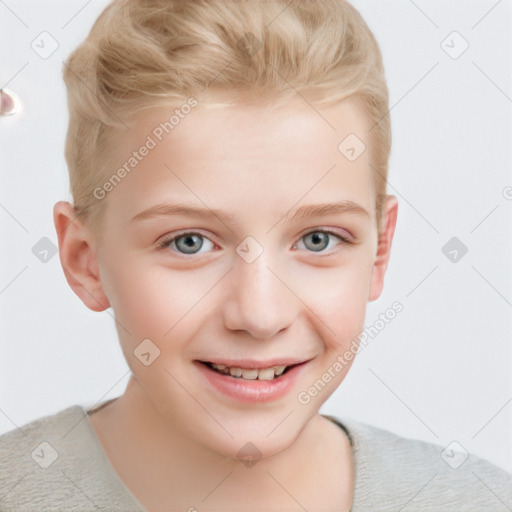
(166, 242)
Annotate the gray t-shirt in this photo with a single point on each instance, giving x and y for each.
(57, 463)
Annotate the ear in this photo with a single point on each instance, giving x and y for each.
(386, 232)
(78, 257)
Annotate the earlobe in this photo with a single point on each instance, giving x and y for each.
(384, 248)
(78, 257)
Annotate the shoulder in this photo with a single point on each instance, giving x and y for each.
(418, 475)
(56, 461)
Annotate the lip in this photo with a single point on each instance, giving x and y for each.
(251, 391)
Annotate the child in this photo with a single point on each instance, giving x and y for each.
(257, 134)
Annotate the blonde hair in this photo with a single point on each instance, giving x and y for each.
(145, 53)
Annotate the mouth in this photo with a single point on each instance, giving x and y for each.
(262, 372)
(251, 381)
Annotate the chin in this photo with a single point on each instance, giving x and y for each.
(252, 437)
(253, 448)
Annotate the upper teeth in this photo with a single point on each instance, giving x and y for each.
(253, 373)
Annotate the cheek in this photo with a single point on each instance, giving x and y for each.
(150, 300)
(339, 299)
(151, 304)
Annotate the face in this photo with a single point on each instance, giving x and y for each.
(244, 266)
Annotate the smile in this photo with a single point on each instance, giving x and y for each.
(251, 381)
(269, 373)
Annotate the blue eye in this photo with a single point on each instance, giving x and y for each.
(318, 241)
(192, 243)
(186, 243)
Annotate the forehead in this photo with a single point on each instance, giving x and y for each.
(251, 125)
(233, 155)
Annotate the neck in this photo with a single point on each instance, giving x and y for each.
(165, 469)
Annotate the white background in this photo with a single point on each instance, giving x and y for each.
(440, 371)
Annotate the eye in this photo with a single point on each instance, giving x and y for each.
(191, 243)
(319, 240)
(186, 243)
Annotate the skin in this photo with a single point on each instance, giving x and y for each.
(171, 437)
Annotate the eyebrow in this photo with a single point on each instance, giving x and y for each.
(312, 210)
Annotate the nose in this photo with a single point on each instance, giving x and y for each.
(259, 300)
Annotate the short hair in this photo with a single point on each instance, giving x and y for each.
(148, 53)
